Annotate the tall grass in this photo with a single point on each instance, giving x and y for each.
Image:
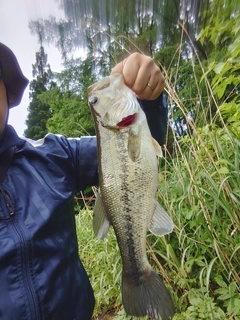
(202, 195)
(199, 185)
(200, 260)
(102, 261)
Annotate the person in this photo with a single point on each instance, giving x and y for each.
(41, 274)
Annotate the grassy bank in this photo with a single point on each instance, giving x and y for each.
(199, 262)
(199, 186)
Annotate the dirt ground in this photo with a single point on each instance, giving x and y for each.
(106, 316)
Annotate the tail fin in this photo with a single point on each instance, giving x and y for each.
(146, 295)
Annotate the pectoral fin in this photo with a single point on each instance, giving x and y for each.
(161, 223)
(134, 141)
(157, 148)
(100, 222)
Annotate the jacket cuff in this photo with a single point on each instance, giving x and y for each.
(157, 116)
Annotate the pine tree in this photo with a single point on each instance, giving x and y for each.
(39, 112)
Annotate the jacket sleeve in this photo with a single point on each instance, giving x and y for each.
(157, 116)
(85, 161)
(73, 160)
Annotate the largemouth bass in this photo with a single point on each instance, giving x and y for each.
(128, 181)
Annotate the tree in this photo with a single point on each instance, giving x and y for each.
(167, 30)
(39, 112)
(71, 115)
(108, 27)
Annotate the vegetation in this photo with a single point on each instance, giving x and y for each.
(39, 112)
(200, 172)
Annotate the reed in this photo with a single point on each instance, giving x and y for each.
(199, 186)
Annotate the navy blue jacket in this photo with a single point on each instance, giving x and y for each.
(41, 275)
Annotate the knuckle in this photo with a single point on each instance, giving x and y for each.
(162, 79)
(149, 61)
(137, 91)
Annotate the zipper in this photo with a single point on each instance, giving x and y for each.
(9, 202)
(24, 248)
(33, 304)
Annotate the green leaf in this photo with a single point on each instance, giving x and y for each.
(232, 288)
(225, 296)
(224, 170)
(234, 48)
(218, 68)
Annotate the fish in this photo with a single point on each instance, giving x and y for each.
(128, 182)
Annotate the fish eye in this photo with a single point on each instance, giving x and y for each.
(93, 100)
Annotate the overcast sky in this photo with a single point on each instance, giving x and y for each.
(14, 32)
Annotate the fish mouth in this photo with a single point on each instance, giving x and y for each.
(127, 121)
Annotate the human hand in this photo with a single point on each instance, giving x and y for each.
(142, 75)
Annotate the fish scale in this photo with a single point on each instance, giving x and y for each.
(128, 180)
(126, 173)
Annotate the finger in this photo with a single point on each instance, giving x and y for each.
(137, 70)
(147, 86)
(130, 69)
(151, 92)
(118, 68)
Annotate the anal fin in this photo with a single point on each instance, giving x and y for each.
(161, 223)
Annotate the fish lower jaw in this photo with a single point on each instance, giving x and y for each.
(115, 127)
